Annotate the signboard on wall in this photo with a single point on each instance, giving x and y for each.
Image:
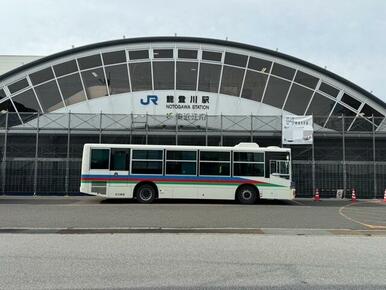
(297, 130)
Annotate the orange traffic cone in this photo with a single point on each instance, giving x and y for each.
(317, 196)
(353, 195)
(384, 196)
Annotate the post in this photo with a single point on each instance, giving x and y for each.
(36, 156)
(344, 158)
(374, 160)
(131, 128)
(67, 181)
(206, 129)
(100, 127)
(313, 166)
(221, 131)
(176, 116)
(4, 160)
(146, 128)
(251, 128)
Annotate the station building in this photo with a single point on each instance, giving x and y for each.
(184, 90)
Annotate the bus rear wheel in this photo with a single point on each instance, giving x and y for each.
(146, 193)
(247, 194)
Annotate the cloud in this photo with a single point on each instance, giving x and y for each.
(346, 36)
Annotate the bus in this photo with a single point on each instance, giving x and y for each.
(245, 172)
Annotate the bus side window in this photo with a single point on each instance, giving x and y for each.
(99, 159)
(120, 159)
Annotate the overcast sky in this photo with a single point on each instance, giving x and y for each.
(347, 36)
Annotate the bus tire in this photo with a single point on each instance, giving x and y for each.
(146, 193)
(247, 194)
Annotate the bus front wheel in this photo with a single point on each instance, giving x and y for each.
(146, 193)
(247, 194)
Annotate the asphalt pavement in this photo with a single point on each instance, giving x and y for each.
(92, 212)
(191, 261)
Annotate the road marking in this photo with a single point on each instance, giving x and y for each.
(370, 226)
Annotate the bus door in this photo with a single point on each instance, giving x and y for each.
(277, 169)
(119, 185)
(277, 164)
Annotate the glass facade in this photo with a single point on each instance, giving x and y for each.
(186, 75)
(117, 79)
(140, 76)
(254, 85)
(257, 77)
(276, 92)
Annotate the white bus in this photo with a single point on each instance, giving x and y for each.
(245, 172)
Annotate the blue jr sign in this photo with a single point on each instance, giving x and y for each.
(150, 99)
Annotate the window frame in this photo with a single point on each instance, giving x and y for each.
(214, 161)
(247, 162)
(99, 169)
(128, 162)
(181, 160)
(162, 160)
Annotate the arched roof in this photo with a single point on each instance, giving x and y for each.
(346, 97)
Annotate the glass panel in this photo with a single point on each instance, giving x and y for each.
(140, 74)
(146, 167)
(335, 123)
(209, 78)
(283, 71)
(353, 103)
(214, 168)
(147, 154)
(120, 159)
(329, 90)
(341, 110)
(181, 168)
(6, 106)
(117, 79)
(41, 76)
(89, 61)
(2, 94)
(49, 96)
(248, 169)
(306, 79)
(26, 102)
(210, 55)
(259, 64)
(361, 124)
(254, 85)
(163, 75)
(320, 106)
(298, 99)
(276, 92)
(94, 83)
(163, 53)
(186, 75)
(181, 155)
(17, 86)
(187, 53)
(72, 89)
(249, 156)
(65, 68)
(236, 59)
(214, 156)
(99, 159)
(369, 111)
(114, 57)
(138, 54)
(231, 82)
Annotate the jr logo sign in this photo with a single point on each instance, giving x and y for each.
(150, 99)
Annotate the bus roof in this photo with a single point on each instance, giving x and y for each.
(239, 147)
